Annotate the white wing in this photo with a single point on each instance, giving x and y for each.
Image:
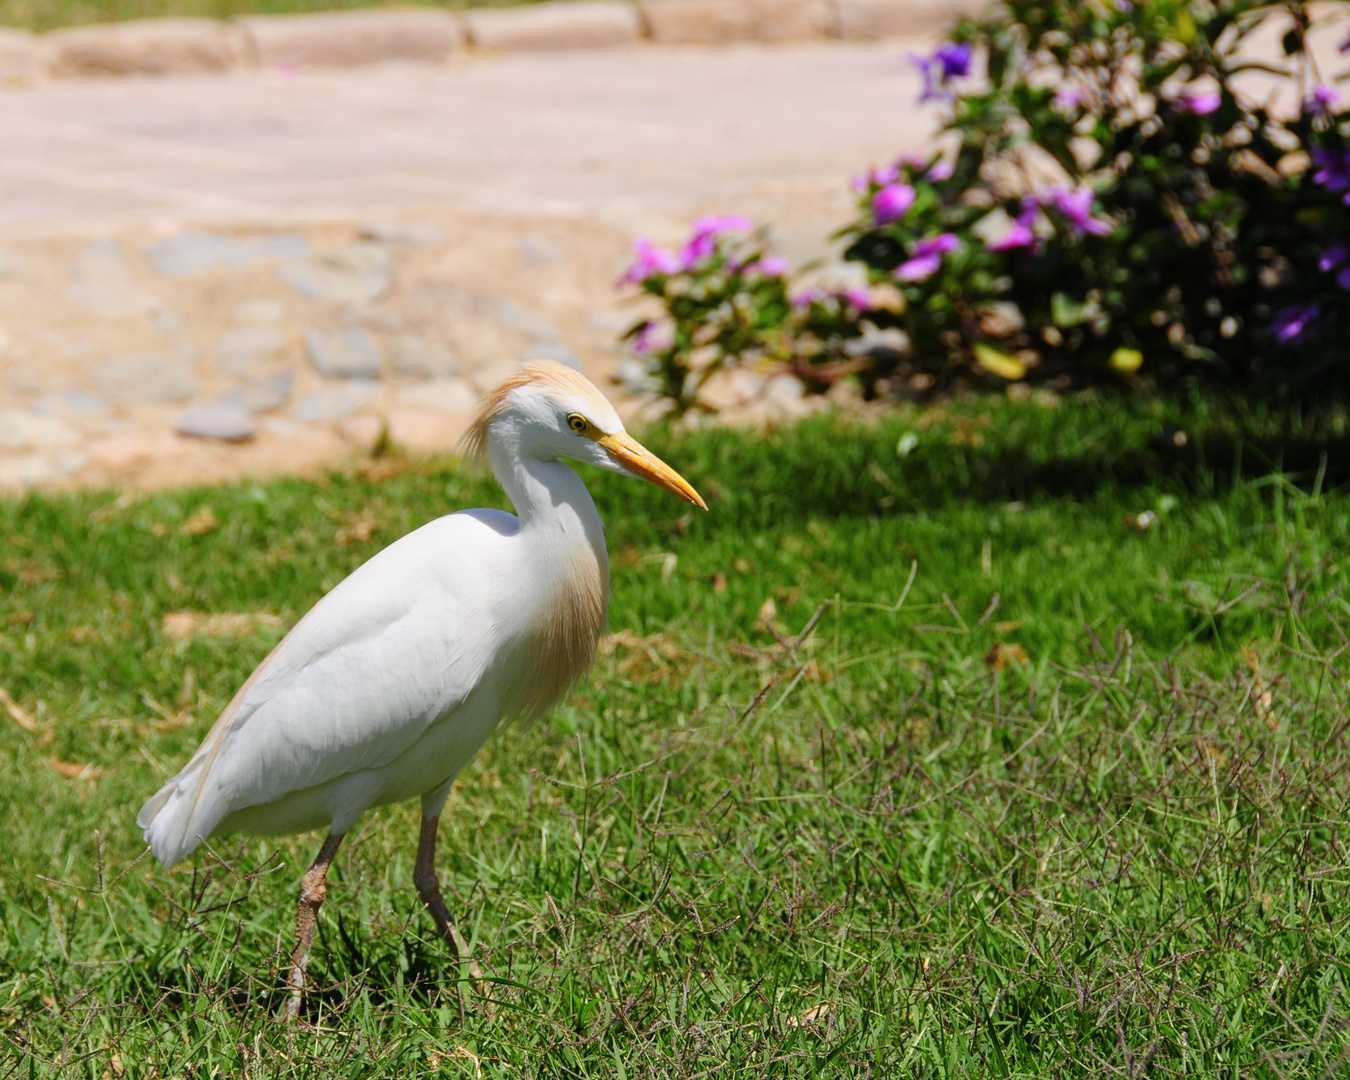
(393, 648)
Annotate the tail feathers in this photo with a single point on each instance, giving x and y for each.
(169, 821)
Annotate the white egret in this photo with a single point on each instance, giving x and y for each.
(392, 682)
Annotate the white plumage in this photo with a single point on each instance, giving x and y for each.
(406, 653)
(389, 686)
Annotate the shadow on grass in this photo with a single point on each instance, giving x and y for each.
(403, 968)
(345, 963)
(995, 453)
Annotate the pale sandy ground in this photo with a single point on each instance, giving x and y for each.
(520, 181)
(524, 179)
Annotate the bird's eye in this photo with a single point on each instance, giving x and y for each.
(578, 423)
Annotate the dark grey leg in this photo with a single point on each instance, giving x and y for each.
(429, 889)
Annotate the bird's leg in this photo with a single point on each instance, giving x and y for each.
(429, 889)
(313, 888)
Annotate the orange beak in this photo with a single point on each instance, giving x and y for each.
(640, 461)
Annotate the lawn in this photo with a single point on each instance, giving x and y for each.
(54, 14)
(987, 739)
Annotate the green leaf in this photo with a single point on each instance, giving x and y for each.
(1127, 361)
(999, 363)
(1184, 26)
(1065, 312)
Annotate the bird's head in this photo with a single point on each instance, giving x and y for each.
(550, 411)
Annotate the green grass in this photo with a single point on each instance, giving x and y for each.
(42, 15)
(874, 851)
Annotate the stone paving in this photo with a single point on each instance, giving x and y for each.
(203, 278)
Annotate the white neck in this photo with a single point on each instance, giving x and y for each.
(549, 497)
(562, 577)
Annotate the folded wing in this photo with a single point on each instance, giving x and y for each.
(395, 647)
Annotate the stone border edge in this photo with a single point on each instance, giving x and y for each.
(355, 38)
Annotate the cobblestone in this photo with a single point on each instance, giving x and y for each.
(343, 354)
(199, 252)
(101, 284)
(454, 222)
(263, 395)
(146, 377)
(452, 395)
(539, 250)
(244, 350)
(355, 276)
(20, 58)
(720, 22)
(27, 431)
(562, 24)
(70, 403)
(143, 47)
(419, 234)
(522, 320)
(335, 402)
(225, 420)
(352, 38)
(421, 358)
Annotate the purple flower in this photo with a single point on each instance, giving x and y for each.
(1295, 322)
(877, 177)
(919, 268)
(955, 60)
(716, 224)
(1070, 96)
(926, 257)
(1017, 236)
(1124, 6)
(1337, 257)
(942, 169)
(1021, 232)
(703, 241)
(648, 259)
(857, 299)
(769, 266)
(939, 245)
(1076, 206)
(1323, 98)
(1332, 169)
(948, 62)
(892, 202)
(699, 247)
(653, 337)
(1334, 256)
(1200, 103)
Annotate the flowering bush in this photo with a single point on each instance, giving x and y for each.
(1125, 192)
(726, 299)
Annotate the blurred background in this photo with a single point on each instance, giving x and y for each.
(238, 246)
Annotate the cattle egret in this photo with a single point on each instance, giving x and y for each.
(392, 682)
